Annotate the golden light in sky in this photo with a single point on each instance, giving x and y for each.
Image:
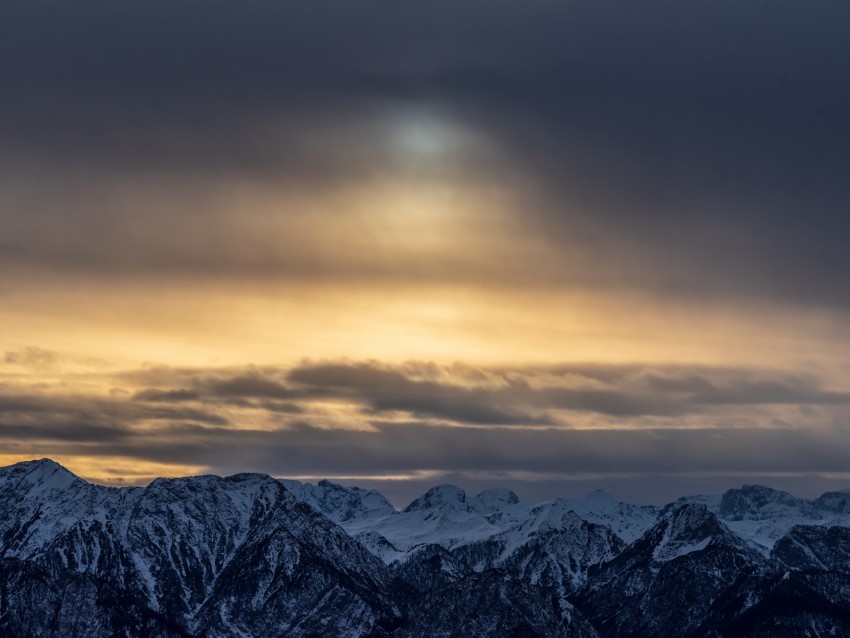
(419, 239)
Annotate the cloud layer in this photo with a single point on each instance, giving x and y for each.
(551, 426)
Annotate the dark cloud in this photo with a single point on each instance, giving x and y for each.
(769, 392)
(253, 386)
(631, 391)
(24, 405)
(84, 433)
(688, 149)
(58, 411)
(390, 390)
(230, 387)
(425, 420)
(565, 396)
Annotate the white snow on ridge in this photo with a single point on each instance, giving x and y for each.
(340, 503)
(668, 551)
(629, 522)
(763, 515)
(447, 516)
(54, 501)
(444, 516)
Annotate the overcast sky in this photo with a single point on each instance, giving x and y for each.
(547, 245)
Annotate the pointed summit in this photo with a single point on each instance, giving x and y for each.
(685, 529)
(45, 473)
(692, 518)
(441, 496)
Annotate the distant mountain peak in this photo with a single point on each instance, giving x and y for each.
(760, 502)
(45, 473)
(440, 496)
(494, 500)
(44, 464)
(339, 502)
(691, 518)
(251, 554)
(690, 512)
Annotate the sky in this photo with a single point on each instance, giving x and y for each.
(550, 245)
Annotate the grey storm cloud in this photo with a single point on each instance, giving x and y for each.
(621, 393)
(251, 386)
(60, 412)
(645, 397)
(689, 148)
(388, 390)
(424, 419)
(631, 392)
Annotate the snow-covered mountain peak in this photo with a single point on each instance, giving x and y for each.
(28, 466)
(689, 519)
(358, 501)
(240, 555)
(448, 496)
(339, 503)
(443, 516)
(628, 521)
(757, 502)
(834, 502)
(241, 489)
(556, 514)
(684, 529)
(495, 498)
(42, 474)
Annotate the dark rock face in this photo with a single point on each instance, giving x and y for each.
(783, 605)
(203, 556)
(299, 577)
(555, 558)
(431, 567)
(246, 556)
(807, 595)
(494, 604)
(814, 547)
(665, 583)
(34, 602)
(834, 502)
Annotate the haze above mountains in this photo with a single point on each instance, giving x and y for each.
(250, 555)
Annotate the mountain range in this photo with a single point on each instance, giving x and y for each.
(254, 556)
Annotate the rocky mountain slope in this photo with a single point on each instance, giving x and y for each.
(203, 556)
(252, 556)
